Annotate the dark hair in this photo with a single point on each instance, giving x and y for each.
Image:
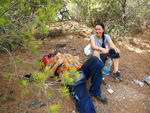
(56, 51)
(103, 37)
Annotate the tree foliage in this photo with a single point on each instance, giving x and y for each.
(117, 15)
(20, 20)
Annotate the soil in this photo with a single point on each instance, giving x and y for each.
(128, 97)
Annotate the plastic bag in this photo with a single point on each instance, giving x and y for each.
(87, 49)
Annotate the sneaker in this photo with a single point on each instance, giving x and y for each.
(117, 75)
(102, 98)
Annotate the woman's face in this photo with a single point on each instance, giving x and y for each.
(99, 30)
(54, 51)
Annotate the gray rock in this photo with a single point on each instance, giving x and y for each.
(61, 44)
(33, 102)
(42, 104)
(83, 35)
(26, 102)
(100, 109)
(73, 111)
(60, 100)
(20, 104)
(11, 98)
(73, 49)
(9, 92)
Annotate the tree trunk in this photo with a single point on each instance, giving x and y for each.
(123, 13)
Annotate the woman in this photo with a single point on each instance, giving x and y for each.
(99, 48)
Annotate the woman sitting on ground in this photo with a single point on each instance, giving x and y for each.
(99, 48)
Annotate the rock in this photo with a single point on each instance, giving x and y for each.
(61, 44)
(19, 104)
(73, 111)
(26, 102)
(42, 104)
(73, 49)
(9, 92)
(100, 109)
(11, 98)
(82, 35)
(133, 42)
(33, 102)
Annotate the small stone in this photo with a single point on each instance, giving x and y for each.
(100, 109)
(9, 92)
(61, 100)
(33, 102)
(42, 104)
(122, 110)
(26, 102)
(73, 111)
(11, 98)
(73, 48)
(61, 44)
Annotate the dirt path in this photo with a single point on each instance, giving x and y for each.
(128, 97)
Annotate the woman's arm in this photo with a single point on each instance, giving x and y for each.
(58, 63)
(113, 46)
(76, 57)
(94, 47)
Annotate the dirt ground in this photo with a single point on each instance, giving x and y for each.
(128, 97)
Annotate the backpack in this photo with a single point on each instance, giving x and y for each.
(45, 60)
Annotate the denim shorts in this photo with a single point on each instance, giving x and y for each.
(112, 54)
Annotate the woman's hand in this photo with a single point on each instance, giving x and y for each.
(59, 62)
(76, 57)
(117, 50)
(104, 50)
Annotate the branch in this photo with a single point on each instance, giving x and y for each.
(10, 8)
(12, 59)
(133, 9)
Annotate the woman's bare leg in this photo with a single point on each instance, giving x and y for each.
(116, 64)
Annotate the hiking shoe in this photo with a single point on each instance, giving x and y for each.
(117, 75)
(102, 98)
